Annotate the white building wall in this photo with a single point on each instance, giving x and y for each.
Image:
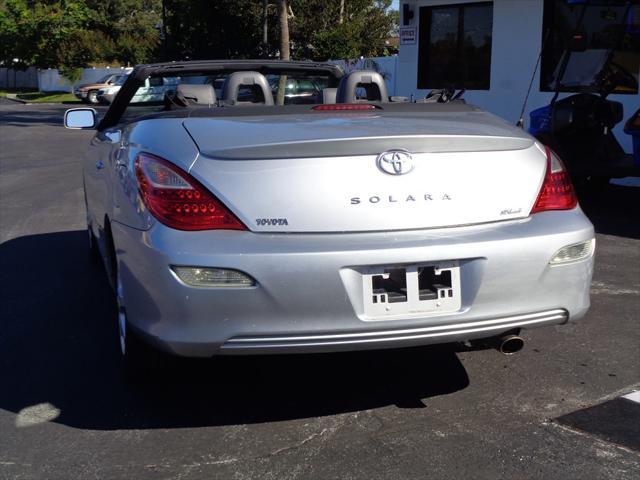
(517, 39)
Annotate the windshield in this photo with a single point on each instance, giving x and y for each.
(582, 67)
(611, 46)
(120, 80)
(104, 79)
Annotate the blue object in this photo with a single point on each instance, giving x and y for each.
(635, 135)
(540, 121)
(633, 128)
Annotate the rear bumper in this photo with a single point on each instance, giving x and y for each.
(309, 296)
(393, 338)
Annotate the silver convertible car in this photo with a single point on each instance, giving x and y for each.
(231, 224)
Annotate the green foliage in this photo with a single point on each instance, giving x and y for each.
(130, 27)
(15, 26)
(318, 34)
(71, 34)
(201, 29)
(48, 97)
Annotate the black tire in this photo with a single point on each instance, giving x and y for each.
(110, 260)
(93, 249)
(141, 362)
(92, 97)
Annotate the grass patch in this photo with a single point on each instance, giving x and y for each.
(48, 97)
(5, 92)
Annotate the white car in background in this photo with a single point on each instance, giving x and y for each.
(154, 90)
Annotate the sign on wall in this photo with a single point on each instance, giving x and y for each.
(408, 35)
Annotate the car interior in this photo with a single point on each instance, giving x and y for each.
(214, 93)
(249, 88)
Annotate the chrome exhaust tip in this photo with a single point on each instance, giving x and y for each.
(510, 344)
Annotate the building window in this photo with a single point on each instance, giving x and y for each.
(455, 46)
(611, 36)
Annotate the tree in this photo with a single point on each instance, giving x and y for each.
(14, 27)
(33, 33)
(324, 29)
(78, 33)
(283, 21)
(318, 29)
(131, 27)
(200, 29)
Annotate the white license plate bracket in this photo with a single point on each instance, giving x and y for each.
(406, 290)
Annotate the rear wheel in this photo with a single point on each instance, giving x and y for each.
(140, 360)
(92, 244)
(92, 96)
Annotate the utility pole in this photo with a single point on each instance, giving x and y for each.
(265, 28)
(283, 17)
(285, 54)
(164, 32)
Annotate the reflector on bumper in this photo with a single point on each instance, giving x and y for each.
(574, 252)
(213, 277)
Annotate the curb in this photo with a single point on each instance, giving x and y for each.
(14, 97)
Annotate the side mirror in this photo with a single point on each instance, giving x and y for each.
(80, 118)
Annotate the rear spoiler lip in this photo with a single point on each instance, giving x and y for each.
(358, 146)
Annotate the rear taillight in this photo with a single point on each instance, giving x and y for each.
(178, 200)
(557, 191)
(332, 107)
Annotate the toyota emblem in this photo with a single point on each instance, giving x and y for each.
(395, 162)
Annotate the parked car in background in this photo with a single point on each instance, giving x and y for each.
(88, 92)
(153, 90)
(238, 226)
(299, 90)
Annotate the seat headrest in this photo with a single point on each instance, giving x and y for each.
(197, 94)
(371, 82)
(329, 95)
(253, 83)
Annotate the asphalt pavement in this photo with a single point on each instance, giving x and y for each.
(66, 412)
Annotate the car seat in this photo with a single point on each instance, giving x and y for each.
(329, 95)
(371, 82)
(187, 95)
(253, 84)
(197, 94)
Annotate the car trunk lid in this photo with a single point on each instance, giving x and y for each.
(327, 173)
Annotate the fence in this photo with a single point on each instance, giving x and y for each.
(11, 78)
